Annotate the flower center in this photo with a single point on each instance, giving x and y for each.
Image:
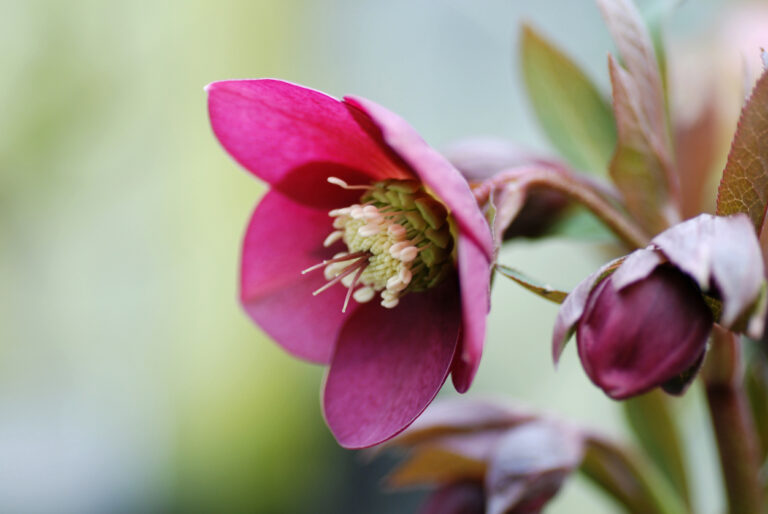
(398, 239)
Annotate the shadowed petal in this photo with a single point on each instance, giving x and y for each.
(475, 284)
(389, 364)
(529, 465)
(433, 169)
(456, 498)
(284, 238)
(294, 138)
(459, 416)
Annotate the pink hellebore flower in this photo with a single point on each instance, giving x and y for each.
(360, 208)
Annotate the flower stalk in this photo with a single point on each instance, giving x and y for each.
(733, 425)
(580, 189)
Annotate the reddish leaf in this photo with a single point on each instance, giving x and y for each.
(697, 152)
(744, 186)
(640, 166)
(636, 50)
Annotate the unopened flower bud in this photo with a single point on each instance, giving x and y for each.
(643, 335)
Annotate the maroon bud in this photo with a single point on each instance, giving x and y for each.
(644, 335)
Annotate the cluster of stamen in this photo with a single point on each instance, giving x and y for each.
(398, 240)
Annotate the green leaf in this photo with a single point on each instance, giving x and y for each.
(651, 419)
(545, 291)
(640, 165)
(572, 112)
(744, 186)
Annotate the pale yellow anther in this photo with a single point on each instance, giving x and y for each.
(408, 254)
(364, 294)
(395, 285)
(390, 304)
(338, 212)
(370, 212)
(396, 231)
(333, 237)
(398, 247)
(369, 229)
(347, 281)
(338, 182)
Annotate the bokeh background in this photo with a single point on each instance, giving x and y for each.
(130, 380)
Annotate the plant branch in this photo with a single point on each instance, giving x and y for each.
(578, 188)
(733, 425)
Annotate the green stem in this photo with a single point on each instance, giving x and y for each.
(577, 188)
(733, 425)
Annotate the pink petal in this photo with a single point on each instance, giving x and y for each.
(389, 364)
(294, 138)
(284, 238)
(475, 283)
(432, 168)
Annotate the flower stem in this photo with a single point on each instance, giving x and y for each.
(733, 425)
(578, 188)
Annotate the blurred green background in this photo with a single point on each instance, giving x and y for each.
(130, 380)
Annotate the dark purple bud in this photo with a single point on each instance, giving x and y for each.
(643, 335)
